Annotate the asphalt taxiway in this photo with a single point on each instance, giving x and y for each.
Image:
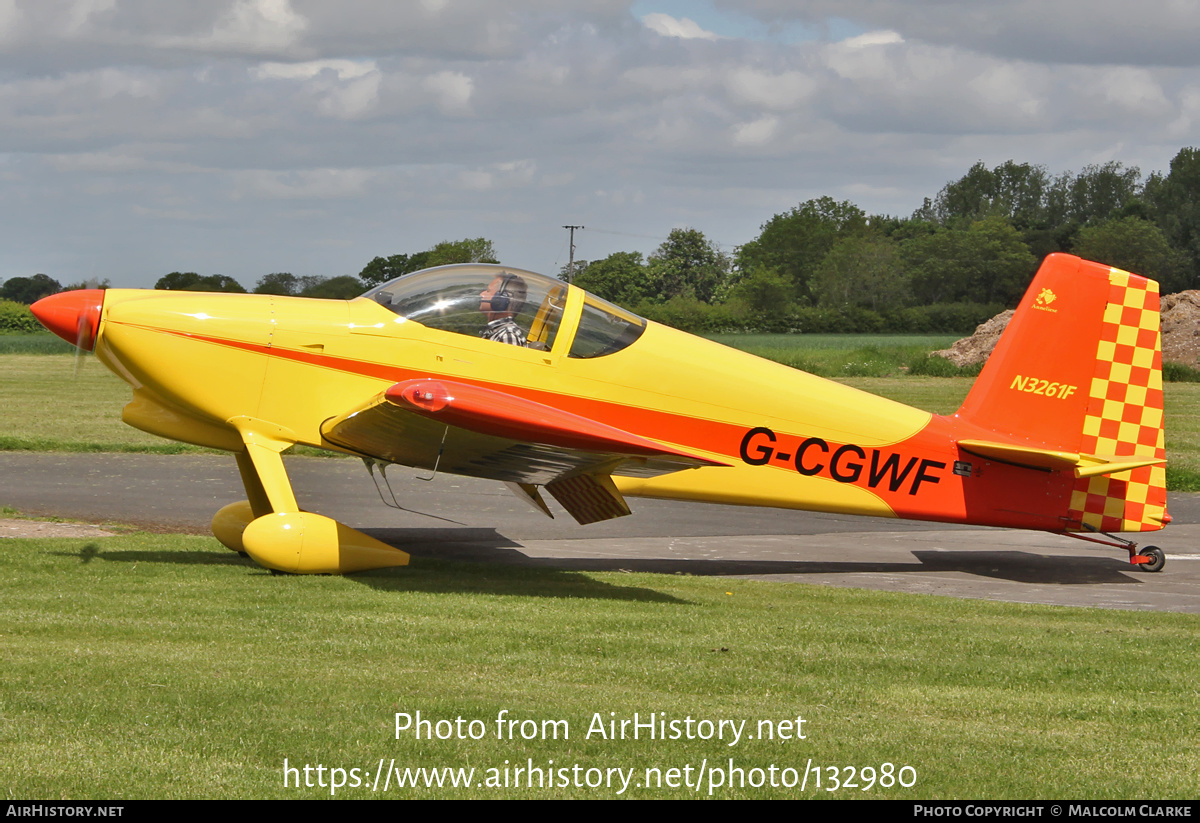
(466, 519)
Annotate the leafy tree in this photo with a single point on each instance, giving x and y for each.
(687, 263)
(1016, 191)
(795, 242)
(862, 270)
(178, 281)
(622, 277)
(90, 283)
(470, 250)
(1095, 194)
(308, 282)
(16, 318)
(382, 269)
(191, 281)
(345, 287)
(1135, 245)
(280, 282)
(987, 263)
(764, 293)
(29, 290)
(1175, 203)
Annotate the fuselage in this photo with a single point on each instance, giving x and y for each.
(789, 439)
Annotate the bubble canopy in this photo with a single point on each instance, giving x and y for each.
(473, 298)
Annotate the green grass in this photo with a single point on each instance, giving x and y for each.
(847, 355)
(39, 343)
(821, 342)
(60, 403)
(1182, 402)
(55, 403)
(165, 666)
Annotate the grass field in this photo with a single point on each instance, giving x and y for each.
(844, 355)
(166, 666)
(41, 343)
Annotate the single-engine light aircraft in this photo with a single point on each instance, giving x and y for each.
(494, 372)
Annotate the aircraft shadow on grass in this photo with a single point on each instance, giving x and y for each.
(488, 562)
(444, 574)
(1013, 566)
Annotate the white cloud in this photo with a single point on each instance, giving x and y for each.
(1134, 90)
(304, 183)
(344, 89)
(81, 12)
(10, 20)
(121, 161)
(246, 27)
(452, 91)
(509, 174)
(873, 38)
(774, 91)
(757, 132)
(684, 27)
(259, 26)
(345, 69)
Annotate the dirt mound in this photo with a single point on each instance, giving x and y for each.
(1180, 333)
(1181, 327)
(977, 347)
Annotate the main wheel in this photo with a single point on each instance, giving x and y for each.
(1157, 559)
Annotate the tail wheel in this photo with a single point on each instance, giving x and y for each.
(1157, 559)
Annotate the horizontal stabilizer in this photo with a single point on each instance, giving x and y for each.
(1093, 465)
(1084, 465)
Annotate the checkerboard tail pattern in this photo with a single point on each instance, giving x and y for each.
(1125, 413)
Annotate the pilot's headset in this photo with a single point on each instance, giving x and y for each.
(501, 300)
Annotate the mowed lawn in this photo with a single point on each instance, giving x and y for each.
(166, 666)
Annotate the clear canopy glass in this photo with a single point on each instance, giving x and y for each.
(508, 305)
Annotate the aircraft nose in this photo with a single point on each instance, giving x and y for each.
(72, 315)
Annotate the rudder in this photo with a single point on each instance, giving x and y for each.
(1078, 372)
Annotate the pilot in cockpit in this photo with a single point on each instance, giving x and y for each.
(502, 300)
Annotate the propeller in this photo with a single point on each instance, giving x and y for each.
(86, 327)
(72, 315)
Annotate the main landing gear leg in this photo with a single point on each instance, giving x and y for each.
(270, 527)
(1150, 559)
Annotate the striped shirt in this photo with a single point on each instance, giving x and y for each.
(504, 330)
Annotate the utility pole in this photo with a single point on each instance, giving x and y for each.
(571, 263)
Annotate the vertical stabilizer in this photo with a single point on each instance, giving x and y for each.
(1079, 370)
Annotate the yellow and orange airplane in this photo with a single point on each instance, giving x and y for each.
(498, 373)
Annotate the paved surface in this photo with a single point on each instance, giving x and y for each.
(468, 519)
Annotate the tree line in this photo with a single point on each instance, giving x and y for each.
(826, 265)
(971, 250)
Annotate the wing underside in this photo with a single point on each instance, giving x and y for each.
(463, 429)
